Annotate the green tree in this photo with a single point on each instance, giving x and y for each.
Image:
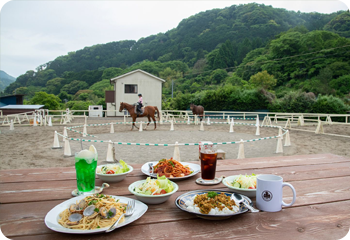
(74, 86)
(49, 101)
(263, 79)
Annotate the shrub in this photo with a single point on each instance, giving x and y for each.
(329, 104)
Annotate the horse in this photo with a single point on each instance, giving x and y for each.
(148, 112)
(197, 110)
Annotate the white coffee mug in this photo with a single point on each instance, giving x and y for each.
(269, 193)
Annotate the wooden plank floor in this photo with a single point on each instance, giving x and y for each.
(321, 211)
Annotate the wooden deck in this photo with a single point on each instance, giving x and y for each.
(321, 210)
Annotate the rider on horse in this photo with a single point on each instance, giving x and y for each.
(139, 103)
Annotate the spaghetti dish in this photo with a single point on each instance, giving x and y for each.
(171, 168)
(92, 212)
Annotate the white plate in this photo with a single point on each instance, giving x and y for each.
(247, 192)
(194, 167)
(51, 218)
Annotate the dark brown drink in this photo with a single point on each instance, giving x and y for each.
(208, 165)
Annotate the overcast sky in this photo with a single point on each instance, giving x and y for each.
(35, 32)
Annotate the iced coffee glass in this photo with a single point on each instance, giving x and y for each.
(208, 162)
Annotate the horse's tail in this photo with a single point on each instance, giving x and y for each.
(156, 109)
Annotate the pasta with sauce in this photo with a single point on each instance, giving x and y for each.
(171, 168)
(92, 212)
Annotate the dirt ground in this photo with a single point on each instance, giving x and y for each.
(30, 147)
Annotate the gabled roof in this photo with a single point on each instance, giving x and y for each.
(135, 71)
(22, 107)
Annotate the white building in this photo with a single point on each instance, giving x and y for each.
(129, 85)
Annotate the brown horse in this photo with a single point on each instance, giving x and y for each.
(197, 110)
(149, 112)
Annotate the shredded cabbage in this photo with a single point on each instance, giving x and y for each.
(245, 181)
(155, 186)
(122, 167)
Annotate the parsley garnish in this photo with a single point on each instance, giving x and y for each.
(212, 194)
(98, 227)
(171, 163)
(110, 214)
(96, 210)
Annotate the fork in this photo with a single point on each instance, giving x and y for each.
(130, 209)
(152, 174)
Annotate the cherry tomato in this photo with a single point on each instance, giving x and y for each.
(251, 188)
(110, 172)
(163, 191)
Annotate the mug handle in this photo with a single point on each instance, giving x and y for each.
(294, 194)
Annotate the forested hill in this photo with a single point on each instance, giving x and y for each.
(5, 80)
(213, 56)
(192, 37)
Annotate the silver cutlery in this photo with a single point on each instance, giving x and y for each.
(239, 199)
(130, 209)
(152, 174)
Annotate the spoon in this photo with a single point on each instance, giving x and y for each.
(239, 199)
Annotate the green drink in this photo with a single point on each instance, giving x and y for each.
(85, 167)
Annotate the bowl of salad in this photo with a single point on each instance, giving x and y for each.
(243, 184)
(115, 172)
(153, 191)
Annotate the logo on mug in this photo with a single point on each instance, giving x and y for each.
(266, 195)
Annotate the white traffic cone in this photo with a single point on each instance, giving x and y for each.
(112, 128)
(12, 125)
(280, 133)
(201, 128)
(67, 150)
(35, 123)
(65, 134)
(56, 143)
(188, 120)
(84, 131)
(279, 148)
(172, 125)
(110, 156)
(176, 155)
(288, 124)
(231, 126)
(195, 120)
(208, 122)
(287, 140)
(140, 128)
(257, 133)
(241, 150)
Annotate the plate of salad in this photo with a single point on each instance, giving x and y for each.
(153, 191)
(243, 184)
(115, 172)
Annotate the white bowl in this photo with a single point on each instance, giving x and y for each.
(113, 177)
(246, 192)
(151, 199)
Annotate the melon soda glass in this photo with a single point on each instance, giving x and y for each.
(85, 167)
(208, 162)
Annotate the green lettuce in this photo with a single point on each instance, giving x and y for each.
(165, 184)
(123, 167)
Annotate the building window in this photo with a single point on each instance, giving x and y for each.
(130, 88)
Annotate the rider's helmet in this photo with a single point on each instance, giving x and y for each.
(140, 95)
